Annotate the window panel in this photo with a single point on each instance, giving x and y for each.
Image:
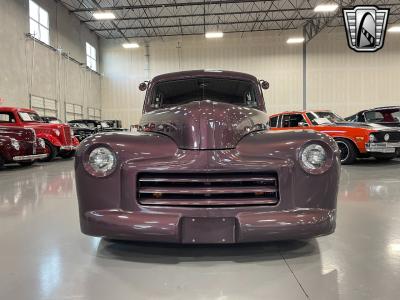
(91, 57)
(34, 28)
(39, 22)
(34, 11)
(73, 112)
(43, 18)
(44, 35)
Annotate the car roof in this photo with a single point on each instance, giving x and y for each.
(204, 73)
(384, 108)
(300, 112)
(6, 108)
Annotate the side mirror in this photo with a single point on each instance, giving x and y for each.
(143, 86)
(264, 84)
(303, 124)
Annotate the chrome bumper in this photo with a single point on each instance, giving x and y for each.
(67, 148)
(382, 147)
(29, 157)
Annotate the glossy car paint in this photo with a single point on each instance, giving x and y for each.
(357, 133)
(30, 149)
(172, 142)
(385, 111)
(43, 130)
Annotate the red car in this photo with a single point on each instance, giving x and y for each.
(354, 139)
(20, 145)
(59, 138)
(204, 169)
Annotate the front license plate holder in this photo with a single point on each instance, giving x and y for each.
(208, 230)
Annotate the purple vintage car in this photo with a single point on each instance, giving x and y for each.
(203, 168)
(20, 145)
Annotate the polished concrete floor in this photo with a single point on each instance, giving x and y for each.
(43, 255)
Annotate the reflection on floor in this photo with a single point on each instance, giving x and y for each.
(44, 256)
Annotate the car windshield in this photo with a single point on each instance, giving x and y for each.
(392, 115)
(30, 117)
(332, 117)
(177, 92)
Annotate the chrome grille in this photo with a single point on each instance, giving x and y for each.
(207, 189)
(67, 135)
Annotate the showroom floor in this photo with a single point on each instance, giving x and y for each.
(44, 256)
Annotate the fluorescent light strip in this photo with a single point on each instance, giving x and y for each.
(395, 28)
(295, 40)
(130, 45)
(326, 7)
(214, 34)
(103, 15)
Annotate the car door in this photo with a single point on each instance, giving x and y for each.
(7, 118)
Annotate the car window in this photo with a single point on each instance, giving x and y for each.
(273, 122)
(177, 92)
(7, 117)
(332, 117)
(293, 120)
(374, 116)
(30, 117)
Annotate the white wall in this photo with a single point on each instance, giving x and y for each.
(27, 67)
(264, 55)
(346, 81)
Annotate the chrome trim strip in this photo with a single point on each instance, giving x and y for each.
(29, 157)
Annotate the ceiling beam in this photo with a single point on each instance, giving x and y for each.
(163, 5)
(207, 14)
(201, 33)
(207, 24)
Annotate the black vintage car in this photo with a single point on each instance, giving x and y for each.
(98, 126)
(387, 116)
(81, 131)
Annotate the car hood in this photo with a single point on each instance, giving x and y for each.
(373, 126)
(202, 125)
(20, 134)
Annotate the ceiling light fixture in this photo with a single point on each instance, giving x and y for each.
(214, 34)
(103, 15)
(130, 45)
(395, 28)
(329, 7)
(295, 40)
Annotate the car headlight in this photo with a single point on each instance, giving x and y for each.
(313, 158)
(15, 144)
(101, 162)
(372, 138)
(386, 137)
(72, 132)
(41, 143)
(57, 132)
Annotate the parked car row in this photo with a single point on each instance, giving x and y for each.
(360, 137)
(26, 137)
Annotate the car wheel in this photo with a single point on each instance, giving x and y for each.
(348, 152)
(67, 155)
(26, 163)
(51, 151)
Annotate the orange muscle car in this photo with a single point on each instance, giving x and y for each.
(354, 139)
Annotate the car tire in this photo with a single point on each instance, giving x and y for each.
(348, 152)
(67, 155)
(26, 163)
(52, 152)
